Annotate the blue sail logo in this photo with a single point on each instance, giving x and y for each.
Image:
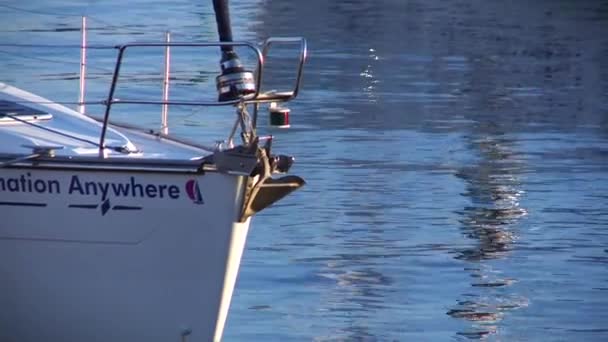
(194, 192)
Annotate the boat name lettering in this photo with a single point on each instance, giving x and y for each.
(123, 189)
(25, 183)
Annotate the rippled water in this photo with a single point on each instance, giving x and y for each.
(456, 155)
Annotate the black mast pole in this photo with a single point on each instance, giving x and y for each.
(234, 81)
(222, 17)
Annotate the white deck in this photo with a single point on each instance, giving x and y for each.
(15, 135)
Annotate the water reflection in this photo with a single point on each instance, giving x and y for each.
(358, 288)
(494, 190)
(370, 79)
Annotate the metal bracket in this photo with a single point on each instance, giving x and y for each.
(235, 161)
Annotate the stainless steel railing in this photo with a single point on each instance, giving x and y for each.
(255, 99)
(252, 99)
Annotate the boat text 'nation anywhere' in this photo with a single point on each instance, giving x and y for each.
(26, 183)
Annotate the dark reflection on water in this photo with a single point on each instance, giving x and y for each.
(494, 190)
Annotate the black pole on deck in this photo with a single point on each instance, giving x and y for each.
(234, 81)
(222, 17)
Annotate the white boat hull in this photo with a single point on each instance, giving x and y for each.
(117, 256)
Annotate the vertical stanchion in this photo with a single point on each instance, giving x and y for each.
(83, 65)
(164, 126)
